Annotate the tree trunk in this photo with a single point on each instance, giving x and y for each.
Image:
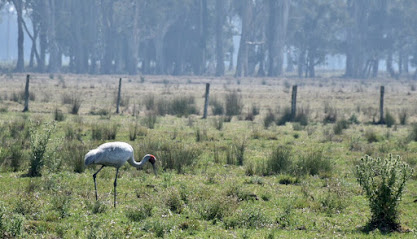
(53, 66)
(355, 52)
(203, 37)
(18, 4)
(133, 45)
(219, 37)
(278, 21)
(242, 57)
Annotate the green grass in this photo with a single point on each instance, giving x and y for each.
(242, 179)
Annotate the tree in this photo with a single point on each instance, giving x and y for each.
(18, 5)
(219, 37)
(316, 30)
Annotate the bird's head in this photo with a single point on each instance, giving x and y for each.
(151, 159)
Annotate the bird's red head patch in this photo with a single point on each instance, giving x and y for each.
(152, 159)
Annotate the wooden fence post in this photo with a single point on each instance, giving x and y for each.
(206, 102)
(294, 102)
(26, 107)
(381, 106)
(118, 96)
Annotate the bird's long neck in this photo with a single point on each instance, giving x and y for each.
(135, 164)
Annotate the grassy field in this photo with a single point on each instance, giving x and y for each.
(216, 177)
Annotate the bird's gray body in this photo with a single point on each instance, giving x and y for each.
(113, 154)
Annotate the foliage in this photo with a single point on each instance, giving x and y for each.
(39, 139)
(383, 181)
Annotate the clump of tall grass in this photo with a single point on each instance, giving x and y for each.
(249, 217)
(383, 181)
(73, 155)
(269, 119)
(340, 126)
(59, 115)
(177, 156)
(280, 160)
(182, 106)
(300, 117)
(74, 101)
(330, 113)
(217, 107)
(150, 119)
(233, 104)
(313, 162)
(403, 116)
(140, 213)
(235, 154)
(104, 131)
(389, 119)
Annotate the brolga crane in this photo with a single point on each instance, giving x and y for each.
(115, 154)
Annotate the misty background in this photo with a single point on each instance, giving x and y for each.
(352, 38)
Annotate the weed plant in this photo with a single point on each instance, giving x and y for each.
(39, 139)
(383, 181)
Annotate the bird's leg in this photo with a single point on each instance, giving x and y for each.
(95, 183)
(115, 185)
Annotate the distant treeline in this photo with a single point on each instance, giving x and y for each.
(195, 37)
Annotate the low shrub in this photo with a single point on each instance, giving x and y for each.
(39, 139)
(383, 181)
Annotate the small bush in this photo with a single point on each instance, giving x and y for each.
(280, 159)
(38, 142)
(389, 119)
(383, 181)
(233, 104)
